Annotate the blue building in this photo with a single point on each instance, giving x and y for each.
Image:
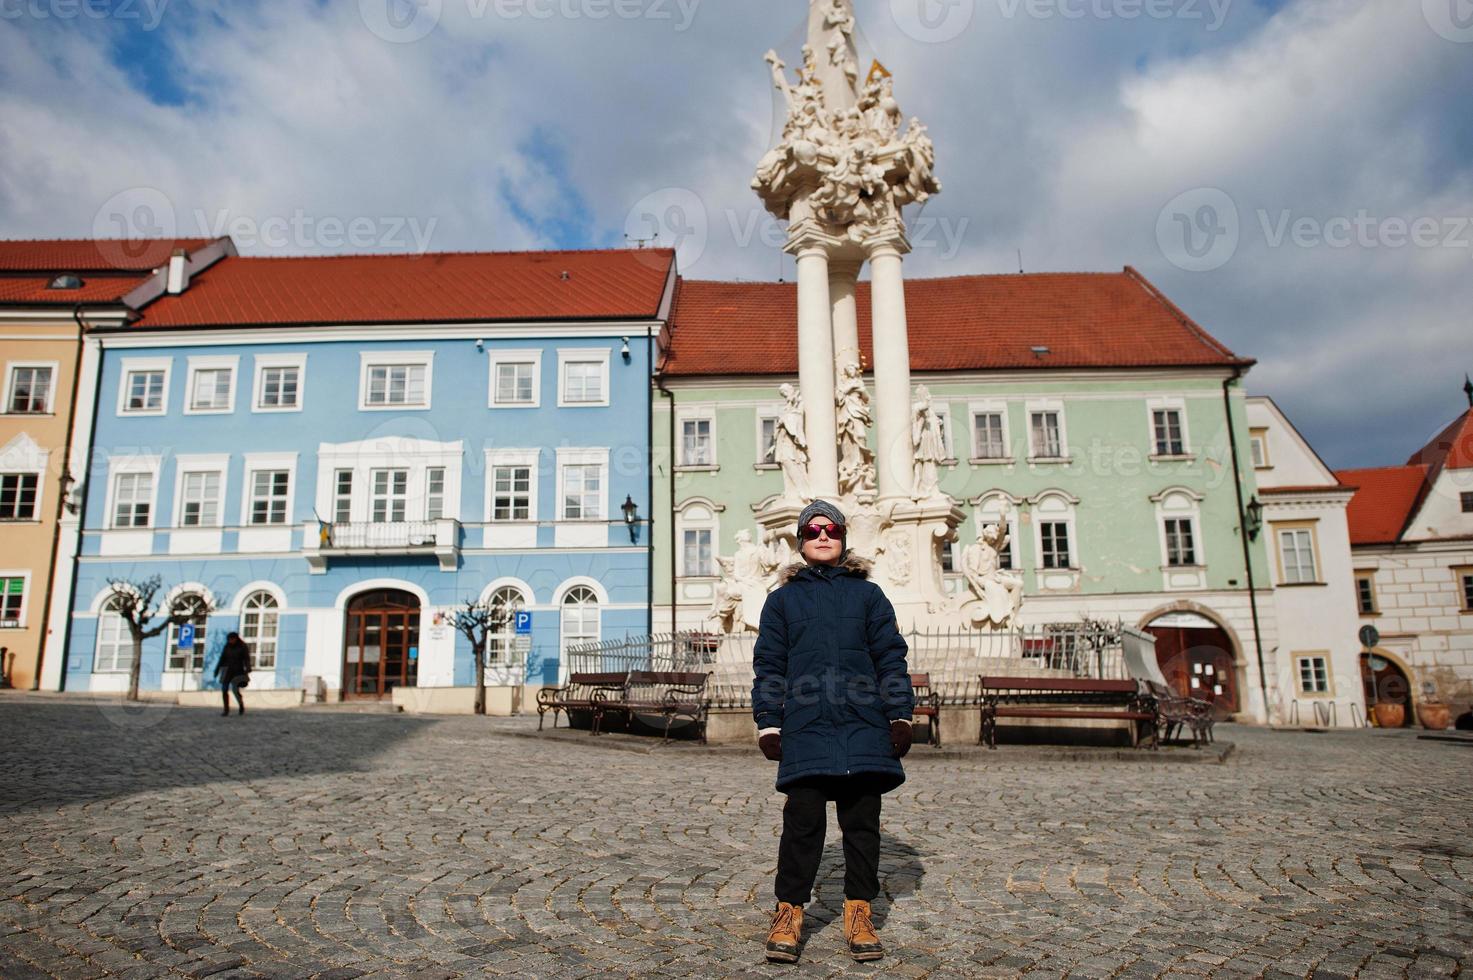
(335, 453)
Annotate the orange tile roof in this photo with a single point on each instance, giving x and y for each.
(34, 291)
(1102, 320)
(1452, 448)
(1387, 499)
(102, 255)
(437, 287)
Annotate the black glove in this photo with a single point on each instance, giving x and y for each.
(771, 745)
(899, 738)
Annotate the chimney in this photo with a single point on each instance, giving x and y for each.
(178, 273)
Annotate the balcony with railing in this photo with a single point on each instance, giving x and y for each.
(439, 539)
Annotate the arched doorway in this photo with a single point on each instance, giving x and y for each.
(380, 643)
(1196, 655)
(1385, 683)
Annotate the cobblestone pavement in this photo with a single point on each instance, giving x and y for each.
(171, 841)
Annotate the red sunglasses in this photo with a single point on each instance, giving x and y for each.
(811, 532)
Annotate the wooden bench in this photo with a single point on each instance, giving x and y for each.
(1066, 698)
(670, 694)
(927, 706)
(576, 695)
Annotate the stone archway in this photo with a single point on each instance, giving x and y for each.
(1198, 655)
(1387, 680)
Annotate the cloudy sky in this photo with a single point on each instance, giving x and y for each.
(1296, 174)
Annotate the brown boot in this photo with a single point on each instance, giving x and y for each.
(782, 938)
(859, 931)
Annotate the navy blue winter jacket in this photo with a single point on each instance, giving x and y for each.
(831, 672)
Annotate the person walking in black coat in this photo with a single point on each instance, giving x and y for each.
(832, 699)
(234, 670)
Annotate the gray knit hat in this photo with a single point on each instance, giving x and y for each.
(821, 508)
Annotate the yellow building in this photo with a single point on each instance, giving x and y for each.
(51, 292)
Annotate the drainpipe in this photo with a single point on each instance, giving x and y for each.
(1243, 534)
(660, 384)
(649, 564)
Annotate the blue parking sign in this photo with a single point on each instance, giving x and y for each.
(186, 636)
(523, 625)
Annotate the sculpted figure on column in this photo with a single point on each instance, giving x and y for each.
(930, 442)
(746, 578)
(998, 592)
(790, 446)
(856, 459)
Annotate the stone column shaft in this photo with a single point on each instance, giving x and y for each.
(895, 456)
(816, 370)
(842, 279)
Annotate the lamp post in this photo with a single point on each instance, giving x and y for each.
(631, 517)
(1255, 519)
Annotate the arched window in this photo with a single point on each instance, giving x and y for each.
(114, 642)
(501, 641)
(260, 628)
(194, 657)
(579, 618)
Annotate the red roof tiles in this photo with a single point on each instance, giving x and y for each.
(103, 255)
(1385, 502)
(961, 323)
(1452, 448)
(441, 287)
(32, 290)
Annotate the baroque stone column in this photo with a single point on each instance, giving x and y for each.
(816, 369)
(895, 455)
(843, 276)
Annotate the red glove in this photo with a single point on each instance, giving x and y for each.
(899, 738)
(772, 746)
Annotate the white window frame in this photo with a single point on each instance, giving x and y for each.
(122, 649)
(230, 364)
(765, 414)
(11, 367)
(390, 497)
(25, 597)
(1259, 437)
(254, 641)
(258, 462)
(128, 465)
(507, 640)
(367, 360)
(1323, 674)
(948, 441)
(1314, 554)
(704, 413)
(265, 362)
(697, 514)
(132, 365)
(989, 408)
(1046, 511)
(527, 458)
(1177, 405)
(1180, 503)
(1050, 405)
(1368, 575)
(499, 357)
(584, 457)
(387, 453)
(218, 464)
(569, 355)
(562, 603)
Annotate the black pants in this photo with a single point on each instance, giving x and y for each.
(804, 817)
(231, 685)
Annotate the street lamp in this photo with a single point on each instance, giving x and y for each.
(631, 517)
(1255, 519)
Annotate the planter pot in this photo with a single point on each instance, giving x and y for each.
(1389, 715)
(1435, 717)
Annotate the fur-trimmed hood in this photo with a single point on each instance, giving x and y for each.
(850, 563)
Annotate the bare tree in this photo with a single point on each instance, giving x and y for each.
(476, 622)
(140, 603)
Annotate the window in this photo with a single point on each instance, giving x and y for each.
(143, 391)
(511, 498)
(1044, 430)
(502, 640)
(12, 601)
(342, 496)
(270, 495)
(434, 493)
(695, 443)
(30, 390)
(199, 495)
(1314, 675)
(280, 388)
(1365, 593)
(114, 640)
(697, 556)
(582, 492)
(390, 496)
(133, 500)
(396, 381)
(948, 557)
(943, 416)
(194, 657)
(583, 376)
(1258, 439)
(1181, 548)
(514, 383)
(260, 628)
(1054, 537)
(1467, 582)
(767, 441)
(1467, 502)
(18, 492)
(1296, 555)
(580, 619)
(1168, 431)
(210, 389)
(989, 436)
